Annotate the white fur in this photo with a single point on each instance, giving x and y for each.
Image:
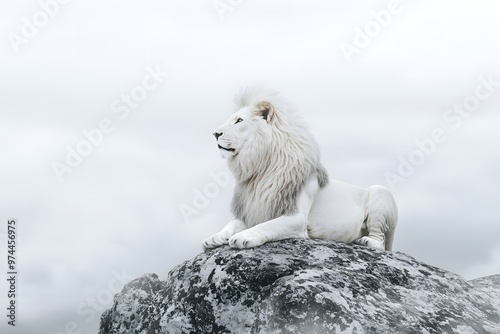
(282, 190)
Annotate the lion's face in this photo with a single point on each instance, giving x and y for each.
(247, 131)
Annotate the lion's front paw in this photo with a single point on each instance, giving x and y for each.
(214, 241)
(246, 239)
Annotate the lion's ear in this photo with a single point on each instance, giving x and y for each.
(266, 110)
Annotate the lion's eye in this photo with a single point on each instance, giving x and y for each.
(238, 121)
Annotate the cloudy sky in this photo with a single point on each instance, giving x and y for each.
(107, 159)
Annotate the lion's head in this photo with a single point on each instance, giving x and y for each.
(248, 130)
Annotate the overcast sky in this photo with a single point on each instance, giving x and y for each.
(404, 94)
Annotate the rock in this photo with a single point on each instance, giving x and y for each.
(305, 286)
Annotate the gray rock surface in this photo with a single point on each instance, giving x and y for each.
(305, 286)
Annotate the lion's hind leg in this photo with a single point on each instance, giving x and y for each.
(380, 218)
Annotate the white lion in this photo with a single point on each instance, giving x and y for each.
(282, 190)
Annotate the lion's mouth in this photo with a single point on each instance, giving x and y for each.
(227, 149)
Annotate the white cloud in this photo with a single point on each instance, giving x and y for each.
(489, 265)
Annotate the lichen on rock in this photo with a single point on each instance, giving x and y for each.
(305, 286)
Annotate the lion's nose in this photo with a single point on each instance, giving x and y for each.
(217, 135)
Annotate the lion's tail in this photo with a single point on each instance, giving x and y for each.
(389, 239)
(392, 221)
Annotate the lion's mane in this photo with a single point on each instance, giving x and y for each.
(271, 172)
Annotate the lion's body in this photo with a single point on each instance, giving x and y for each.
(282, 190)
(342, 212)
